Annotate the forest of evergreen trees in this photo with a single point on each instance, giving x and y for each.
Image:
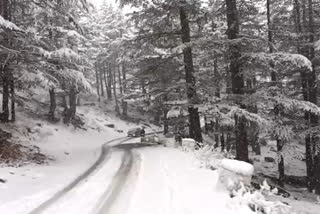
(250, 68)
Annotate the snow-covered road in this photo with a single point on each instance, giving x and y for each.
(135, 178)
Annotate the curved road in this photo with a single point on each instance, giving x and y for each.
(107, 197)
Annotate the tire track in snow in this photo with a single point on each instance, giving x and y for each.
(103, 157)
(108, 204)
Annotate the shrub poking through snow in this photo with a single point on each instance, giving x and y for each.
(256, 201)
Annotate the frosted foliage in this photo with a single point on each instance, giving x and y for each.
(295, 61)
(256, 202)
(65, 53)
(284, 132)
(38, 77)
(76, 78)
(70, 33)
(292, 104)
(248, 115)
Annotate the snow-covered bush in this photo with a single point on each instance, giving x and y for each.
(256, 201)
(207, 156)
(233, 174)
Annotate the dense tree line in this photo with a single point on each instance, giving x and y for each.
(249, 69)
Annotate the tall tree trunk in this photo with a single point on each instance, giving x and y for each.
(309, 86)
(110, 80)
(223, 144)
(216, 134)
(165, 121)
(120, 80)
(13, 100)
(70, 112)
(313, 89)
(100, 70)
(194, 119)
(73, 102)
(217, 94)
(114, 81)
(123, 101)
(124, 77)
(5, 67)
(5, 95)
(105, 71)
(53, 104)
(97, 81)
(242, 152)
(277, 107)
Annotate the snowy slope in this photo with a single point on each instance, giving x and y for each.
(73, 151)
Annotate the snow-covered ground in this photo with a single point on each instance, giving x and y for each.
(300, 200)
(131, 178)
(73, 151)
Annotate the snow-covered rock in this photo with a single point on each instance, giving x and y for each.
(233, 173)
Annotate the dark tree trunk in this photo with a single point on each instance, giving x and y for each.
(53, 104)
(124, 105)
(280, 163)
(105, 70)
(217, 94)
(217, 77)
(73, 102)
(117, 109)
(5, 96)
(97, 81)
(317, 174)
(71, 111)
(124, 78)
(165, 121)
(222, 140)
(269, 29)
(228, 142)
(216, 134)
(13, 100)
(110, 80)
(120, 80)
(242, 152)
(100, 70)
(309, 84)
(5, 67)
(194, 119)
(124, 85)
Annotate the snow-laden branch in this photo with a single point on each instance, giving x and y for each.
(76, 78)
(8, 25)
(295, 61)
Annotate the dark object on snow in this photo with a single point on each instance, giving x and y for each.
(3, 180)
(142, 132)
(120, 131)
(136, 132)
(178, 138)
(281, 192)
(110, 125)
(269, 159)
